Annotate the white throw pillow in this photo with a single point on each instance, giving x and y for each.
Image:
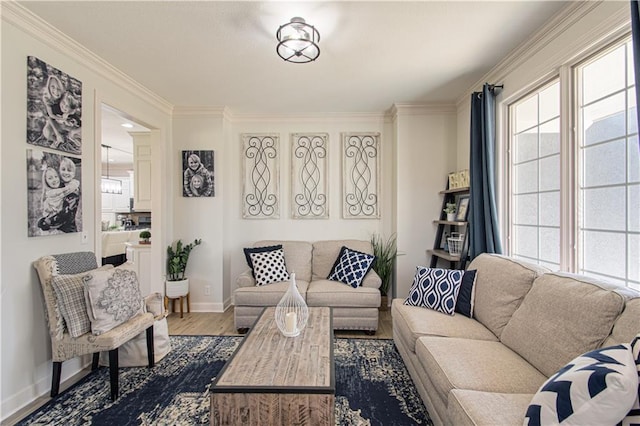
(596, 388)
(633, 416)
(113, 297)
(269, 267)
(71, 304)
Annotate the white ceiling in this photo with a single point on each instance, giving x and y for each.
(373, 54)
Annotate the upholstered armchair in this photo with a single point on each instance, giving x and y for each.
(78, 268)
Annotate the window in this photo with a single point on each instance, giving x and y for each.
(609, 172)
(598, 171)
(535, 170)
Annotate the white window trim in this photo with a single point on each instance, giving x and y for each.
(566, 73)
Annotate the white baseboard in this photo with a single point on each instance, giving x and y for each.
(211, 307)
(40, 388)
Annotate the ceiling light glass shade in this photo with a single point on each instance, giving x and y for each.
(111, 186)
(108, 185)
(298, 41)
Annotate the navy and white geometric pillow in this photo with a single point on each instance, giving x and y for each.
(597, 388)
(435, 288)
(633, 416)
(269, 267)
(351, 266)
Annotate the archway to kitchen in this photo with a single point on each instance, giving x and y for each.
(124, 203)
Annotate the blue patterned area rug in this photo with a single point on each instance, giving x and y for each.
(373, 387)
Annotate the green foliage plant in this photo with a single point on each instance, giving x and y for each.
(145, 235)
(177, 259)
(385, 252)
(451, 208)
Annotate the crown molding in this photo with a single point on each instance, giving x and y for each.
(422, 109)
(310, 117)
(188, 111)
(16, 14)
(549, 32)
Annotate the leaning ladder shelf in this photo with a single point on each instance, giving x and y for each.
(446, 227)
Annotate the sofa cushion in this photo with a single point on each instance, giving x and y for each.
(414, 322)
(351, 266)
(468, 407)
(598, 387)
(562, 317)
(435, 288)
(455, 363)
(627, 325)
(336, 294)
(269, 267)
(501, 284)
(325, 254)
(297, 256)
(268, 295)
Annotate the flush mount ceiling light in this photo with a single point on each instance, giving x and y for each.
(298, 41)
(108, 185)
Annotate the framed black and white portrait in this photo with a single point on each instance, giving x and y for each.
(54, 108)
(198, 174)
(53, 193)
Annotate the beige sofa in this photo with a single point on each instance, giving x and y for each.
(353, 308)
(114, 245)
(527, 324)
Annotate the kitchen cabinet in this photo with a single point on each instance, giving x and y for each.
(141, 171)
(139, 260)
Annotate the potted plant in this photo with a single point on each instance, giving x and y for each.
(450, 210)
(177, 285)
(145, 235)
(385, 253)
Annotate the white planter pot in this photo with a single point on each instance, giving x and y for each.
(177, 288)
(451, 217)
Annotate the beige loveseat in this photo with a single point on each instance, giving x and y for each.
(527, 324)
(353, 308)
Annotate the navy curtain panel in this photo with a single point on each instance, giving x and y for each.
(635, 32)
(484, 236)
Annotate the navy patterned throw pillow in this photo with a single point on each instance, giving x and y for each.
(435, 288)
(596, 388)
(351, 266)
(466, 295)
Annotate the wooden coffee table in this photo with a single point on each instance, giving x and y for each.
(275, 380)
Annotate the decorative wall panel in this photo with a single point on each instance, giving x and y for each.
(261, 179)
(360, 175)
(309, 188)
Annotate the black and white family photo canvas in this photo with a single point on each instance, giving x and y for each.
(198, 174)
(54, 193)
(54, 108)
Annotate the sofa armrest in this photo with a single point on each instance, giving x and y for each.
(246, 279)
(372, 280)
